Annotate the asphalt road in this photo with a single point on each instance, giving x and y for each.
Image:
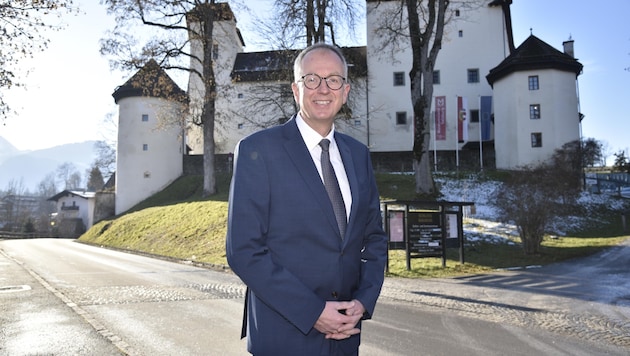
(60, 297)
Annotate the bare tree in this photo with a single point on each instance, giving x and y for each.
(300, 23)
(69, 176)
(296, 24)
(426, 40)
(528, 200)
(182, 30)
(606, 152)
(23, 27)
(15, 207)
(105, 159)
(533, 195)
(417, 24)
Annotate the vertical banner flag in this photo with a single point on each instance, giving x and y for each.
(440, 118)
(462, 120)
(485, 112)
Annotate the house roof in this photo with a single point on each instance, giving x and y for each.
(268, 65)
(278, 65)
(151, 80)
(534, 54)
(72, 193)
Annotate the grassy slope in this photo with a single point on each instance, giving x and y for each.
(177, 223)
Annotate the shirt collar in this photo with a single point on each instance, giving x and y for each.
(310, 136)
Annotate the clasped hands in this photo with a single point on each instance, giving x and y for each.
(339, 319)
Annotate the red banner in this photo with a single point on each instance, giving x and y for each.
(440, 118)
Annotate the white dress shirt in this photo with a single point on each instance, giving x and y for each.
(311, 139)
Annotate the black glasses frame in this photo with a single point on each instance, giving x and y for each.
(308, 84)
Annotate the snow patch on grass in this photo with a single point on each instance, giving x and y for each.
(481, 222)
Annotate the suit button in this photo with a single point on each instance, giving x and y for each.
(334, 295)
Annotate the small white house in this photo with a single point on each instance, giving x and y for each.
(75, 212)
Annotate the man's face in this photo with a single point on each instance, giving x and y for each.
(319, 106)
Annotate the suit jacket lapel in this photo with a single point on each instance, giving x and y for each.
(301, 158)
(348, 164)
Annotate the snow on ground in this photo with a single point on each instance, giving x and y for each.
(481, 222)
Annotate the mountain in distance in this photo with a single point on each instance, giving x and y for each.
(33, 166)
(7, 150)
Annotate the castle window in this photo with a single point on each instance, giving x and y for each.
(473, 75)
(534, 111)
(399, 79)
(241, 96)
(357, 122)
(456, 12)
(436, 77)
(536, 139)
(147, 174)
(533, 82)
(145, 147)
(460, 33)
(145, 117)
(401, 118)
(240, 126)
(474, 115)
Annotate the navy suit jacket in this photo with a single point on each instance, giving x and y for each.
(284, 243)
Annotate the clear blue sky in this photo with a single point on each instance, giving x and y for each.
(69, 89)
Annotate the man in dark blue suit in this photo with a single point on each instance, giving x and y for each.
(312, 276)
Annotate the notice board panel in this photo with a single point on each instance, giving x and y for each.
(425, 233)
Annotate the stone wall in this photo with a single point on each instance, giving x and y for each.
(382, 161)
(104, 205)
(193, 164)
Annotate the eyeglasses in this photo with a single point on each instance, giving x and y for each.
(313, 81)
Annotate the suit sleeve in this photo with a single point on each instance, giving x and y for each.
(374, 253)
(246, 244)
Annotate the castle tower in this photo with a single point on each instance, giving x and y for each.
(226, 43)
(150, 128)
(536, 106)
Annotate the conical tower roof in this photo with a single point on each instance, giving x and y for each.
(531, 55)
(151, 81)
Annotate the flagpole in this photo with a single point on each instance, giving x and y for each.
(457, 134)
(434, 134)
(480, 136)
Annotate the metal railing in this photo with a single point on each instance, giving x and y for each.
(20, 235)
(609, 183)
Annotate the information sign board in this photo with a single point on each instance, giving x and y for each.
(425, 234)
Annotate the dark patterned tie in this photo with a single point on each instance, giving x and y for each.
(332, 187)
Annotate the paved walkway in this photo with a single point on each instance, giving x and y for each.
(588, 297)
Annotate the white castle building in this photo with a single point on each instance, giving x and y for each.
(512, 106)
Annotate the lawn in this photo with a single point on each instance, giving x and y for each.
(178, 224)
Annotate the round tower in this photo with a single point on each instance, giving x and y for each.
(149, 154)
